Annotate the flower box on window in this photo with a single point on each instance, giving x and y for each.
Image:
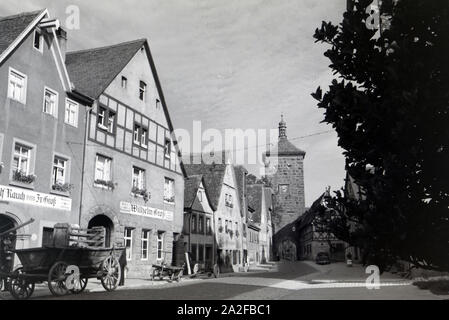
(62, 187)
(106, 184)
(141, 193)
(22, 177)
(169, 199)
(231, 233)
(237, 234)
(220, 229)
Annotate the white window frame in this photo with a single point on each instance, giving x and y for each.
(68, 111)
(161, 241)
(136, 134)
(167, 190)
(53, 112)
(141, 184)
(103, 116)
(142, 90)
(64, 169)
(143, 137)
(145, 244)
(20, 156)
(41, 41)
(23, 96)
(129, 253)
(111, 124)
(108, 161)
(167, 147)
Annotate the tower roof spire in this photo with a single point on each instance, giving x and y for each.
(282, 128)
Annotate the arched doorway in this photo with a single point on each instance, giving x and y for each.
(287, 250)
(103, 221)
(7, 243)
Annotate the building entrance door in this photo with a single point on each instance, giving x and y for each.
(103, 221)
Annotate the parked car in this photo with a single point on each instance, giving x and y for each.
(322, 258)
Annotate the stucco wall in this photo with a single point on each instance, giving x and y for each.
(224, 240)
(100, 201)
(49, 135)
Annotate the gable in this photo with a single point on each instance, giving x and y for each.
(204, 204)
(17, 36)
(14, 28)
(229, 178)
(136, 70)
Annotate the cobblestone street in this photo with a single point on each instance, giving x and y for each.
(286, 280)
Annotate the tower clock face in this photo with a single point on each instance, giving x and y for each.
(283, 188)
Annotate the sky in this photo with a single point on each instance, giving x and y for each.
(230, 64)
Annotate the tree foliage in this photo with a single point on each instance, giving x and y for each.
(389, 106)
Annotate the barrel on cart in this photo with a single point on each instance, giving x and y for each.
(76, 255)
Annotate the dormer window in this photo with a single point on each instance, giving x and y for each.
(142, 90)
(158, 103)
(124, 82)
(38, 42)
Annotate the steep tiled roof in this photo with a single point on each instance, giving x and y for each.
(11, 27)
(191, 186)
(254, 196)
(240, 176)
(310, 214)
(93, 70)
(213, 175)
(285, 148)
(268, 197)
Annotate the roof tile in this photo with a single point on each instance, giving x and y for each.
(12, 26)
(93, 70)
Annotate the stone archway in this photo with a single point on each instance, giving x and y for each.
(109, 220)
(102, 220)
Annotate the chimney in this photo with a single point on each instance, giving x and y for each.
(62, 41)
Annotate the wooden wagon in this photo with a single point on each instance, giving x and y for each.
(163, 270)
(77, 255)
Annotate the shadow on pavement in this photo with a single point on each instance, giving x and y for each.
(198, 291)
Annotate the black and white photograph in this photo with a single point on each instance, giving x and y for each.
(221, 150)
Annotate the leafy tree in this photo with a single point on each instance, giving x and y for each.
(389, 106)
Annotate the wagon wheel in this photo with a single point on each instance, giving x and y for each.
(19, 287)
(180, 274)
(56, 279)
(79, 285)
(111, 273)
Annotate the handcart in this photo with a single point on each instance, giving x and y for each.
(163, 270)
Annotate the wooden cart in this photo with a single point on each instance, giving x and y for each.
(163, 270)
(77, 255)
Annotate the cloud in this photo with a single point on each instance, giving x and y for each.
(230, 64)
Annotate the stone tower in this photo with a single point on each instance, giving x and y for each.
(284, 168)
